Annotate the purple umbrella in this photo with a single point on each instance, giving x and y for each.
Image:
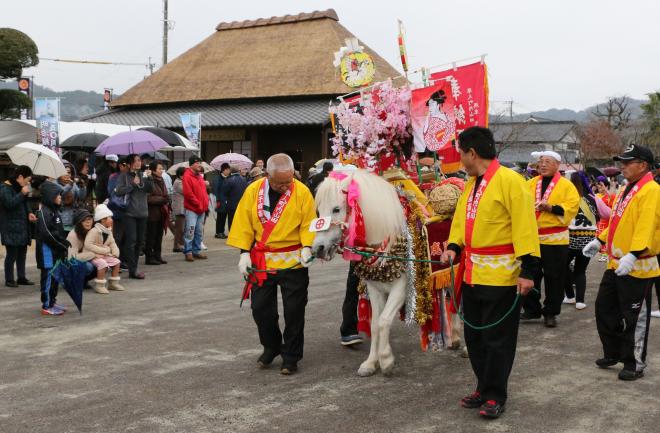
(126, 143)
(241, 161)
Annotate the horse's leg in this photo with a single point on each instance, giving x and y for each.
(376, 298)
(456, 331)
(395, 300)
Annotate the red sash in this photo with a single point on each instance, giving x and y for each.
(552, 230)
(548, 191)
(620, 207)
(465, 266)
(259, 249)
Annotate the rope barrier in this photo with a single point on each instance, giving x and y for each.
(451, 292)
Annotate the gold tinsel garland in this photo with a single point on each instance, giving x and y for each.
(424, 311)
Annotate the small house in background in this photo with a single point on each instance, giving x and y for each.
(263, 86)
(515, 141)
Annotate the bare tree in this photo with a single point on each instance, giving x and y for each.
(507, 133)
(616, 112)
(598, 141)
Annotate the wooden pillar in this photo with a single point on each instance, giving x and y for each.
(254, 139)
(324, 144)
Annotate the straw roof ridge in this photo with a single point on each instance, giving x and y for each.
(329, 13)
(291, 59)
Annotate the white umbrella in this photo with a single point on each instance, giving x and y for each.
(172, 170)
(42, 160)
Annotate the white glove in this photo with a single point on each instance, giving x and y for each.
(592, 248)
(626, 264)
(244, 263)
(306, 257)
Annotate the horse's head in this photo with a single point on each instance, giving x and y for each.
(330, 202)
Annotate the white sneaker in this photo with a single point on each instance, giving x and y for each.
(580, 305)
(204, 247)
(568, 300)
(655, 313)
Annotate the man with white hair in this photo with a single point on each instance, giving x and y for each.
(557, 202)
(271, 228)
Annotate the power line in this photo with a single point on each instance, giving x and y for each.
(148, 65)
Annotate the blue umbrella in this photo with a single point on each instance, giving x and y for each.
(71, 274)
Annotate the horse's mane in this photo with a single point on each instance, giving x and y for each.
(382, 211)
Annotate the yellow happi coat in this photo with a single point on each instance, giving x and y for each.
(565, 195)
(638, 230)
(505, 215)
(291, 229)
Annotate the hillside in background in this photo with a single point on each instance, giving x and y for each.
(73, 105)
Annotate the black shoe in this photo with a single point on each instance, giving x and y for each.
(24, 282)
(491, 409)
(524, 316)
(152, 261)
(11, 283)
(177, 250)
(606, 362)
(630, 374)
(138, 276)
(220, 236)
(288, 368)
(267, 358)
(550, 321)
(162, 261)
(472, 401)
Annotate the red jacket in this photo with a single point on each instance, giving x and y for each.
(195, 197)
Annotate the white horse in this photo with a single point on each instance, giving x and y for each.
(384, 222)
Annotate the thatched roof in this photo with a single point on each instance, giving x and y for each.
(272, 57)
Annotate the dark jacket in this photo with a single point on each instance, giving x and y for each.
(157, 199)
(51, 237)
(218, 182)
(14, 223)
(233, 190)
(316, 180)
(101, 188)
(137, 202)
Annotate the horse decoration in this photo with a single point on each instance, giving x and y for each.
(366, 213)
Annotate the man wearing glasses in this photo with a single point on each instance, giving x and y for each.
(623, 304)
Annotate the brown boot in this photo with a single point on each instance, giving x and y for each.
(100, 287)
(200, 256)
(113, 284)
(189, 257)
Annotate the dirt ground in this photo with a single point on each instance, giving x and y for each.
(174, 353)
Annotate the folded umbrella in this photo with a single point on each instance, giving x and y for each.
(241, 161)
(71, 274)
(131, 142)
(42, 160)
(85, 142)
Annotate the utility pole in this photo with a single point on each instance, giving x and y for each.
(165, 28)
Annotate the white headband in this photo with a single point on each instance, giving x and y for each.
(548, 153)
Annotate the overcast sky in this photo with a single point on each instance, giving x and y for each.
(541, 54)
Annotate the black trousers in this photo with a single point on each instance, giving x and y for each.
(623, 315)
(49, 289)
(230, 218)
(657, 286)
(293, 285)
(492, 350)
(154, 240)
(220, 221)
(134, 229)
(15, 256)
(349, 308)
(553, 273)
(577, 276)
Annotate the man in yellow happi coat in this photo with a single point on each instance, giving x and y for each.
(623, 304)
(495, 229)
(557, 202)
(271, 228)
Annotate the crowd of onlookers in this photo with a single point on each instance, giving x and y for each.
(109, 219)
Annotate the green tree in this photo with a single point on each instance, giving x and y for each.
(17, 51)
(651, 115)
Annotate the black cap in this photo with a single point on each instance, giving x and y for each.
(80, 215)
(193, 159)
(636, 151)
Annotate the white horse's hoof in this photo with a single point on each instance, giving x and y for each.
(366, 371)
(387, 370)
